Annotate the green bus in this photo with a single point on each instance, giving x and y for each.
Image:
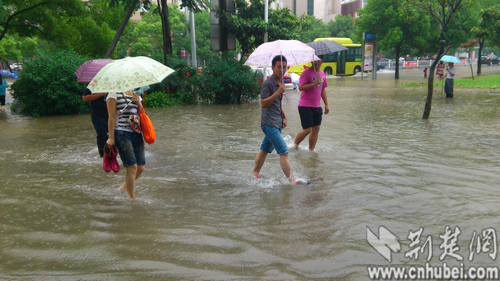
(346, 62)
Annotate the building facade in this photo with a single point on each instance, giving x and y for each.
(326, 10)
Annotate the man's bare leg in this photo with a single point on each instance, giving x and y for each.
(313, 137)
(301, 135)
(259, 161)
(286, 167)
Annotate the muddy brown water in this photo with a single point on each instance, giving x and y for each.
(200, 215)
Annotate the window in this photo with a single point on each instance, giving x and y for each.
(310, 7)
(354, 54)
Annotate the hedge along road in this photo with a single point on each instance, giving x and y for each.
(200, 215)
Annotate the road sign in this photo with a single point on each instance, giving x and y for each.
(369, 35)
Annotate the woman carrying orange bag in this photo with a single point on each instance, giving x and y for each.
(122, 109)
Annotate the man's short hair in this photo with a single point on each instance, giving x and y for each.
(278, 58)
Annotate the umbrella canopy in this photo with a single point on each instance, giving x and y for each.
(89, 69)
(450, 59)
(324, 47)
(294, 51)
(127, 74)
(4, 72)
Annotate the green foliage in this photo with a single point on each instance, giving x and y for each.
(146, 38)
(162, 99)
(314, 28)
(37, 17)
(489, 25)
(202, 32)
(249, 25)
(343, 26)
(397, 25)
(47, 85)
(226, 81)
(10, 48)
(182, 84)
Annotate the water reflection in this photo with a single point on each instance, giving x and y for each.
(200, 215)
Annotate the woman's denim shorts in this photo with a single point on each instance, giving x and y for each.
(273, 140)
(131, 148)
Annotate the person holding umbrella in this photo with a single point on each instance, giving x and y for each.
(125, 134)
(98, 110)
(450, 79)
(273, 120)
(118, 78)
(99, 116)
(312, 83)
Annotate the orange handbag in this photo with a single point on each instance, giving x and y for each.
(148, 131)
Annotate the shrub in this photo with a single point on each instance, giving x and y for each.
(47, 85)
(225, 81)
(182, 85)
(160, 99)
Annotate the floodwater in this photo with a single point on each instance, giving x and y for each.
(199, 214)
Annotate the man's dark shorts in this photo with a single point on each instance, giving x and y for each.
(2, 99)
(310, 116)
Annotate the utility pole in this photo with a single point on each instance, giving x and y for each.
(193, 40)
(188, 57)
(266, 13)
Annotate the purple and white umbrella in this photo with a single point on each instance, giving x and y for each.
(87, 71)
(295, 52)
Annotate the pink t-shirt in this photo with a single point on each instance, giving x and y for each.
(311, 97)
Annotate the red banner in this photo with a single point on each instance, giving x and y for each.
(411, 63)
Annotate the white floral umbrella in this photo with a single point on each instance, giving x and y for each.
(295, 52)
(127, 74)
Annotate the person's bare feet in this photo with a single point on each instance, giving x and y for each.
(124, 189)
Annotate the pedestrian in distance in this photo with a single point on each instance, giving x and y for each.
(313, 86)
(451, 70)
(3, 93)
(99, 116)
(273, 120)
(124, 132)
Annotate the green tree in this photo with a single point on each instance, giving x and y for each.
(249, 25)
(146, 38)
(343, 26)
(36, 17)
(10, 49)
(311, 29)
(488, 29)
(202, 31)
(453, 20)
(397, 25)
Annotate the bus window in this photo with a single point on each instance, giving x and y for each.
(332, 57)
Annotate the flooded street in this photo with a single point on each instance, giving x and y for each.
(199, 214)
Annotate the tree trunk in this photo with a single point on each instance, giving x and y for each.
(165, 26)
(167, 40)
(398, 51)
(430, 82)
(119, 32)
(481, 45)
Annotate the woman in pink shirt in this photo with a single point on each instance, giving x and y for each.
(312, 83)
